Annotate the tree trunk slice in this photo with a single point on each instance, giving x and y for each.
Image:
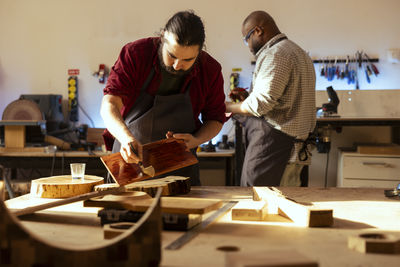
(63, 186)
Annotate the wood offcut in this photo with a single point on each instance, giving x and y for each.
(304, 214)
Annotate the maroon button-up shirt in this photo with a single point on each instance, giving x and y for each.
(134, 64)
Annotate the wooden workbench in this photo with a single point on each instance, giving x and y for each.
(356, 211)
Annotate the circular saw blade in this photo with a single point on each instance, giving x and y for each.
(23, 110)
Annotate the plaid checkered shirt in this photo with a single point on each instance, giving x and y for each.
(283, 90)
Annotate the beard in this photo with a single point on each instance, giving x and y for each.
(171, 69)
(256, 46)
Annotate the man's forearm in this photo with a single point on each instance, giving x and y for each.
(209, 130)
(236, 108)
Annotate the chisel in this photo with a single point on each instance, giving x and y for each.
(146, 170)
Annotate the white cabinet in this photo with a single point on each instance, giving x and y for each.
(366, 170)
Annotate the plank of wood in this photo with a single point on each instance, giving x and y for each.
(304, 214)
(374, 242)
(63, 186)
(250, 211)
(164, 155)
(173, 205)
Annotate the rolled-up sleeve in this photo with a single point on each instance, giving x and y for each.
(120, 81)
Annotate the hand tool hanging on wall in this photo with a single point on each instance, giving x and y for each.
(330, 68)
(374, 68)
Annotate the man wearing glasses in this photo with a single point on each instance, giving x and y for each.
(159, 86)
(280, 109)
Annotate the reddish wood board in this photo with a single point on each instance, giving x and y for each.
(165, 156)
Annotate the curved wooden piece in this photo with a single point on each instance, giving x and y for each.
(138, 246)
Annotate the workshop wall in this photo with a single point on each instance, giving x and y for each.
(40, 40)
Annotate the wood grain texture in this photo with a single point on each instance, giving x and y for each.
(303, 214)
(63, 186)
(174, 205)
(14, 136)
(171, 185)
(165, 156)
(250, 211)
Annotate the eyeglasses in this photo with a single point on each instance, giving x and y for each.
(246, 38)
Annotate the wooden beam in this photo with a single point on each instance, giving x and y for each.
(304, 214)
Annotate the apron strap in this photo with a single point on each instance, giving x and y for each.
(148, 80)
(304, 152)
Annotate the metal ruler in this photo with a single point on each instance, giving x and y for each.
(189, 235)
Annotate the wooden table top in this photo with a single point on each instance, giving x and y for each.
(356, 210)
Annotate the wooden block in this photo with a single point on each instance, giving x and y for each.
(374, 243)
(63, 186)
(250, 211)
(174, 205)
(304, 214)
(269, 258)
(14, 136)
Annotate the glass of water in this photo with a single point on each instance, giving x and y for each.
(78, 171)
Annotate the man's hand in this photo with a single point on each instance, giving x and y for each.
(127, 154)
(238, 94)
(190, 140)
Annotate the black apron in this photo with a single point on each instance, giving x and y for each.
(151, 117)
(268, 150)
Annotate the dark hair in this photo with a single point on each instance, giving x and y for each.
(187, 27)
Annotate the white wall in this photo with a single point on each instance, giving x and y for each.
(40, 40)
